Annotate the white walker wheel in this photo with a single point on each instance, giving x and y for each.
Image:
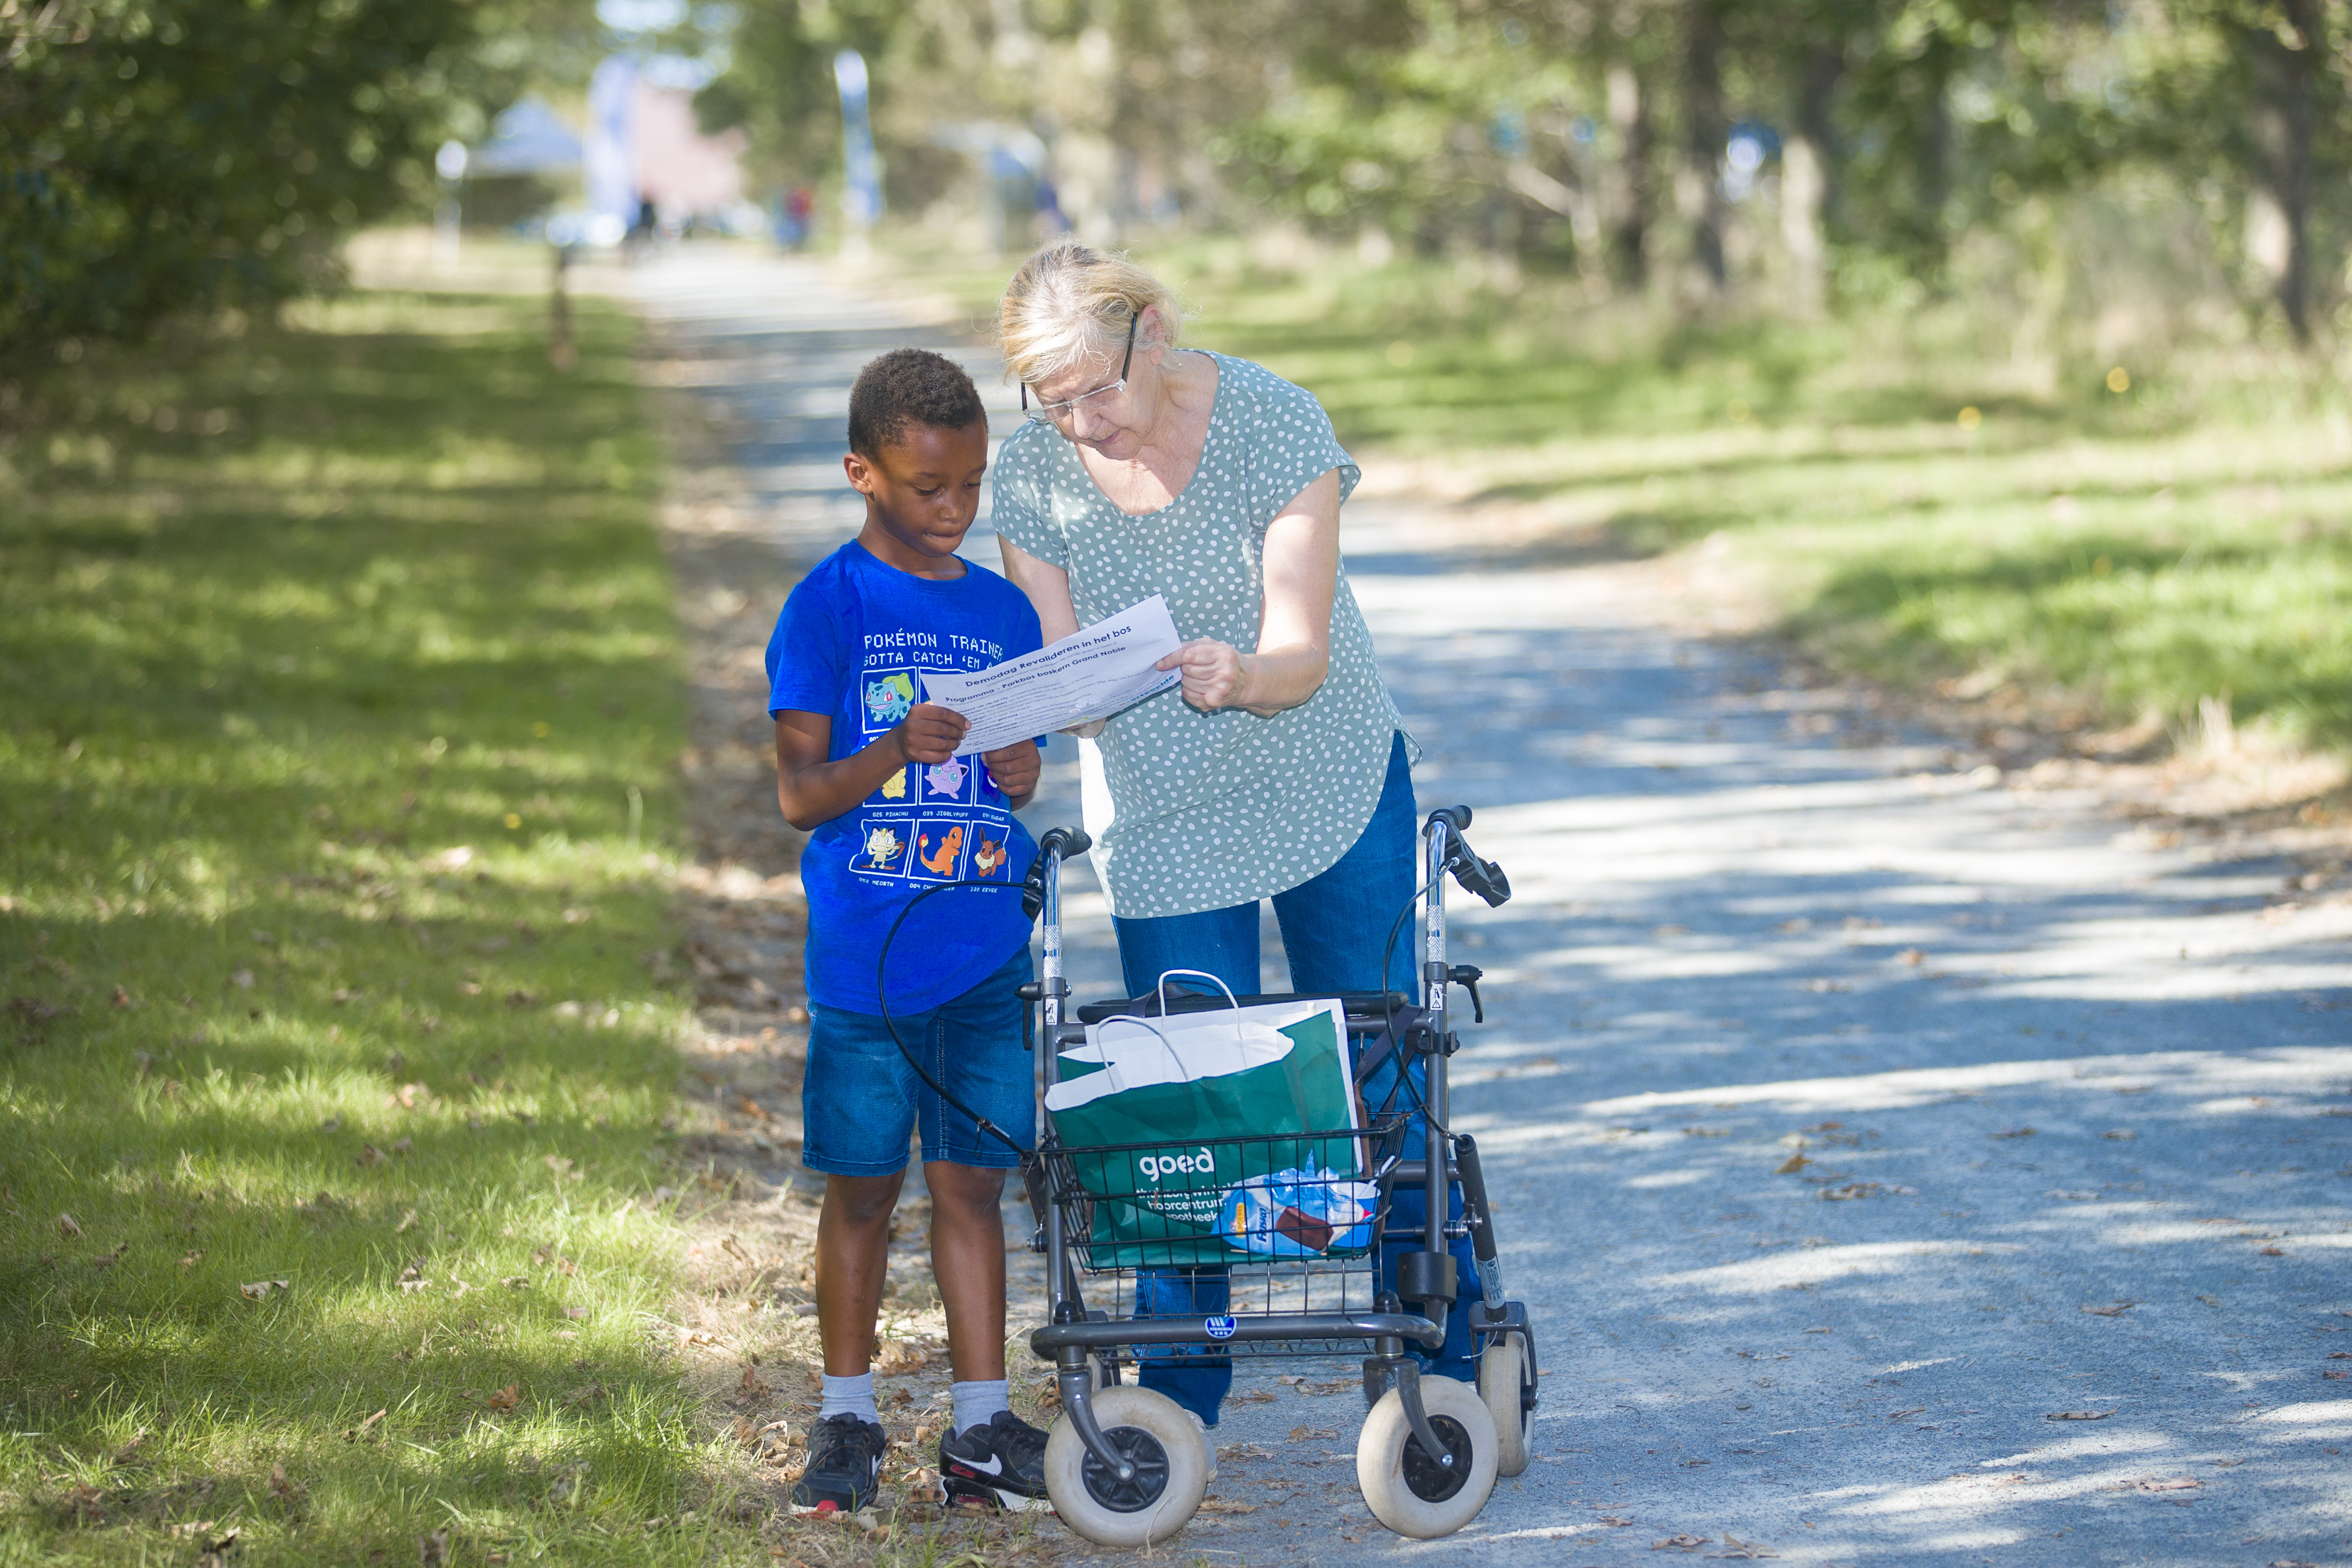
(1503, 1383)
(1406, 1488)
(1169, 1451)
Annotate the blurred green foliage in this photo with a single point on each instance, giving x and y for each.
(1805, 152)
(176, 156)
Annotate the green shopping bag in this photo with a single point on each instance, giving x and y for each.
(1200, 1104)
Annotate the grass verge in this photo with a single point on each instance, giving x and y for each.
(2116, 542)
(339, 711)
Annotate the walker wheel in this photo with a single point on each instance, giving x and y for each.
(1506, 1383)
(1152, 1433)
(1407, 1489)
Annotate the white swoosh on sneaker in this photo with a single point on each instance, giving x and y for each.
(994, 1467)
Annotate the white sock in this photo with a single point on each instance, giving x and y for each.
(849, 1395)
(976, 1402)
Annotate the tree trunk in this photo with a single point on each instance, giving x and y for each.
(1626, 187)
(1698, 192)
(1807, 188)
(2285, 119)
(1802, 184)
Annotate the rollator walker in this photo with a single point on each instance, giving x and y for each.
(1126, 1466)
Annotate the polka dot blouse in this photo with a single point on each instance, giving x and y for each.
(1211, 809)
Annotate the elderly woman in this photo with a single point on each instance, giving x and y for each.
(1280, 769)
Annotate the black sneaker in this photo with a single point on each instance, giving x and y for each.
(845, 1466)
(1002, 1464)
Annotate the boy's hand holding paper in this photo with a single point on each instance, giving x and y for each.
(1092, 673)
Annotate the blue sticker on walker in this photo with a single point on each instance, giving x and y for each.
(1218, 1328)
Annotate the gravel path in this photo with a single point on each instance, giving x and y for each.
(1903, 1164)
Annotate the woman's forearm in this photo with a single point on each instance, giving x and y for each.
(1275, 679)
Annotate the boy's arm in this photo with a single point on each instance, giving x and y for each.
(813, 790)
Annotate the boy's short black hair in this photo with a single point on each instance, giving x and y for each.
(910, 386)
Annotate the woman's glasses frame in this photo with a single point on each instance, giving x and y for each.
(1048, 412)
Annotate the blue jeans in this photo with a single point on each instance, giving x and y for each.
(860, 1102)
(1332, 928)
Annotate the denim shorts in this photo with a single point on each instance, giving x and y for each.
(860, 1102)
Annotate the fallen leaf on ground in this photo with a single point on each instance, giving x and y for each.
(1289, 1379)
(1616, 1521)
(587, 1395)
(362, 1428)
(2181, 1483)
(2116, 1310)
(259, 1290)
(1219, 1505)
(69, 1227)
(1251, 1397)
(1898, 1415)
(1735, 1548)
(1244, 1451)
(507, 1398)
(1915, 957)
(191, 1259)
(1309, 1433)
(1679, 1543)
(1853, 1191)
(516, 1282)
(2273, 1251)
(899, 1357)
(2078, 1415)
(369, 1154)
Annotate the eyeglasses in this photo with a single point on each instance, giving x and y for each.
(1093, 402)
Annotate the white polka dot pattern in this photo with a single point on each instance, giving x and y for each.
(1211, 809)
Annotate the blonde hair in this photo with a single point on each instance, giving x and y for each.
(1071, 301)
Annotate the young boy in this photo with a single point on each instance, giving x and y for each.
(869, 770)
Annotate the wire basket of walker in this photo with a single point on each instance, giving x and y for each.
(1225, 1138)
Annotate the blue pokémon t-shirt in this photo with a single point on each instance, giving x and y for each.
(853, 642)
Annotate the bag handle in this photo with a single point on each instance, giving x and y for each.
(1146, 1024)
(1160, 991)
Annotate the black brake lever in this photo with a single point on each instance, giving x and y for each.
(1072, 842)
(1468, 976)
(1483, 877)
